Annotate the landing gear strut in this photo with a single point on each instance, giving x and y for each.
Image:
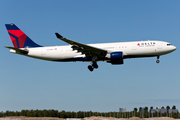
(94, 65)
(157, 61)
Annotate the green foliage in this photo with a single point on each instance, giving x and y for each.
(174, 107)
(135, 109)
(167, 107)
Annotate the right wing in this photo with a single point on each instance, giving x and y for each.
(89, 51)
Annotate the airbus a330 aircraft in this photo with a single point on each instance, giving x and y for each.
(113, 53)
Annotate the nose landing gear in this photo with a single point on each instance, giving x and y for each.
(157, 61)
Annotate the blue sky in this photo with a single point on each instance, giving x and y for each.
(28, 83)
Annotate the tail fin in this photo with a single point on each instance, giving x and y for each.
(18, 38)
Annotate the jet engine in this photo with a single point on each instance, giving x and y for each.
(115, 58)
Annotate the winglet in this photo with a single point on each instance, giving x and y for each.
(58, 36)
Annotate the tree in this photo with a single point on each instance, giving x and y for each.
(140, 109)
(45, 113)
(23, 113)
(7, 113)
(174, 107)
(146, 109)
(63, 114)
(135, 109)
(17, 113)
(167, 107)
(1, 114)
(146, 112)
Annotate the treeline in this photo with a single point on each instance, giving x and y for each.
(142, 113)
(147, 113)
(53, 113)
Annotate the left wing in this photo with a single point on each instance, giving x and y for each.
(89, 51)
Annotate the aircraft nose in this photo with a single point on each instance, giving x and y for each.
(174, 48)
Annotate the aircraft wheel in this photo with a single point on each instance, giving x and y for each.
(95, 65)
(90, 68)
(157, 61)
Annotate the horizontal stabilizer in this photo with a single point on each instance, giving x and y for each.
(18, 50)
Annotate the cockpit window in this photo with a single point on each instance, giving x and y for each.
(168, 44)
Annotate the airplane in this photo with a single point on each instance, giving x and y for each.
(113, 53)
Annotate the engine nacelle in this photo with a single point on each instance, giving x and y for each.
(115, 58)
(116, 62)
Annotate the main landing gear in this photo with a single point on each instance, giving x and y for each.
(94, 65)
(157, 61)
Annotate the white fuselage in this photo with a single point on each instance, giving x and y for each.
(129, 49)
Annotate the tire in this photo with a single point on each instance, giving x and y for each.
(95, 65)
(90, 68)
(157, 61)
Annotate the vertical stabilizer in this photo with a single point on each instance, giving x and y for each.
(18, 38)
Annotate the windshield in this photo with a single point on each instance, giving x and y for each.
(168, 44)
